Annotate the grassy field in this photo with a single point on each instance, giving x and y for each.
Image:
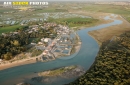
(75, 22)
(9, 28)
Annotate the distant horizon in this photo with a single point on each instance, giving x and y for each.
(65, 0)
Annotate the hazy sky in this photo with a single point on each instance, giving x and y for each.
(64, 0)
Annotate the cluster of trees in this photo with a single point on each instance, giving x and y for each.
(112, 65)
(13, 44)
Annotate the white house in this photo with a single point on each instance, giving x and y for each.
(46, 40)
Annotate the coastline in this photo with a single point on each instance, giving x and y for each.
(18, 63)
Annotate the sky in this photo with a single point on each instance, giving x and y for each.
(64, 0)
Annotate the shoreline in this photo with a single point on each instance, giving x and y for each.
(98, 42)
(18, 63)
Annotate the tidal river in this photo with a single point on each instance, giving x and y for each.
(85, 58)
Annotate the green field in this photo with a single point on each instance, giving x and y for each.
(75, 22)
(9, 28)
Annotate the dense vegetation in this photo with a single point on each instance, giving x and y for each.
(12, 44)
(112, 65)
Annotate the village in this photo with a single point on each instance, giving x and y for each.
(60, 46)
(51, 39)
(59, 41)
